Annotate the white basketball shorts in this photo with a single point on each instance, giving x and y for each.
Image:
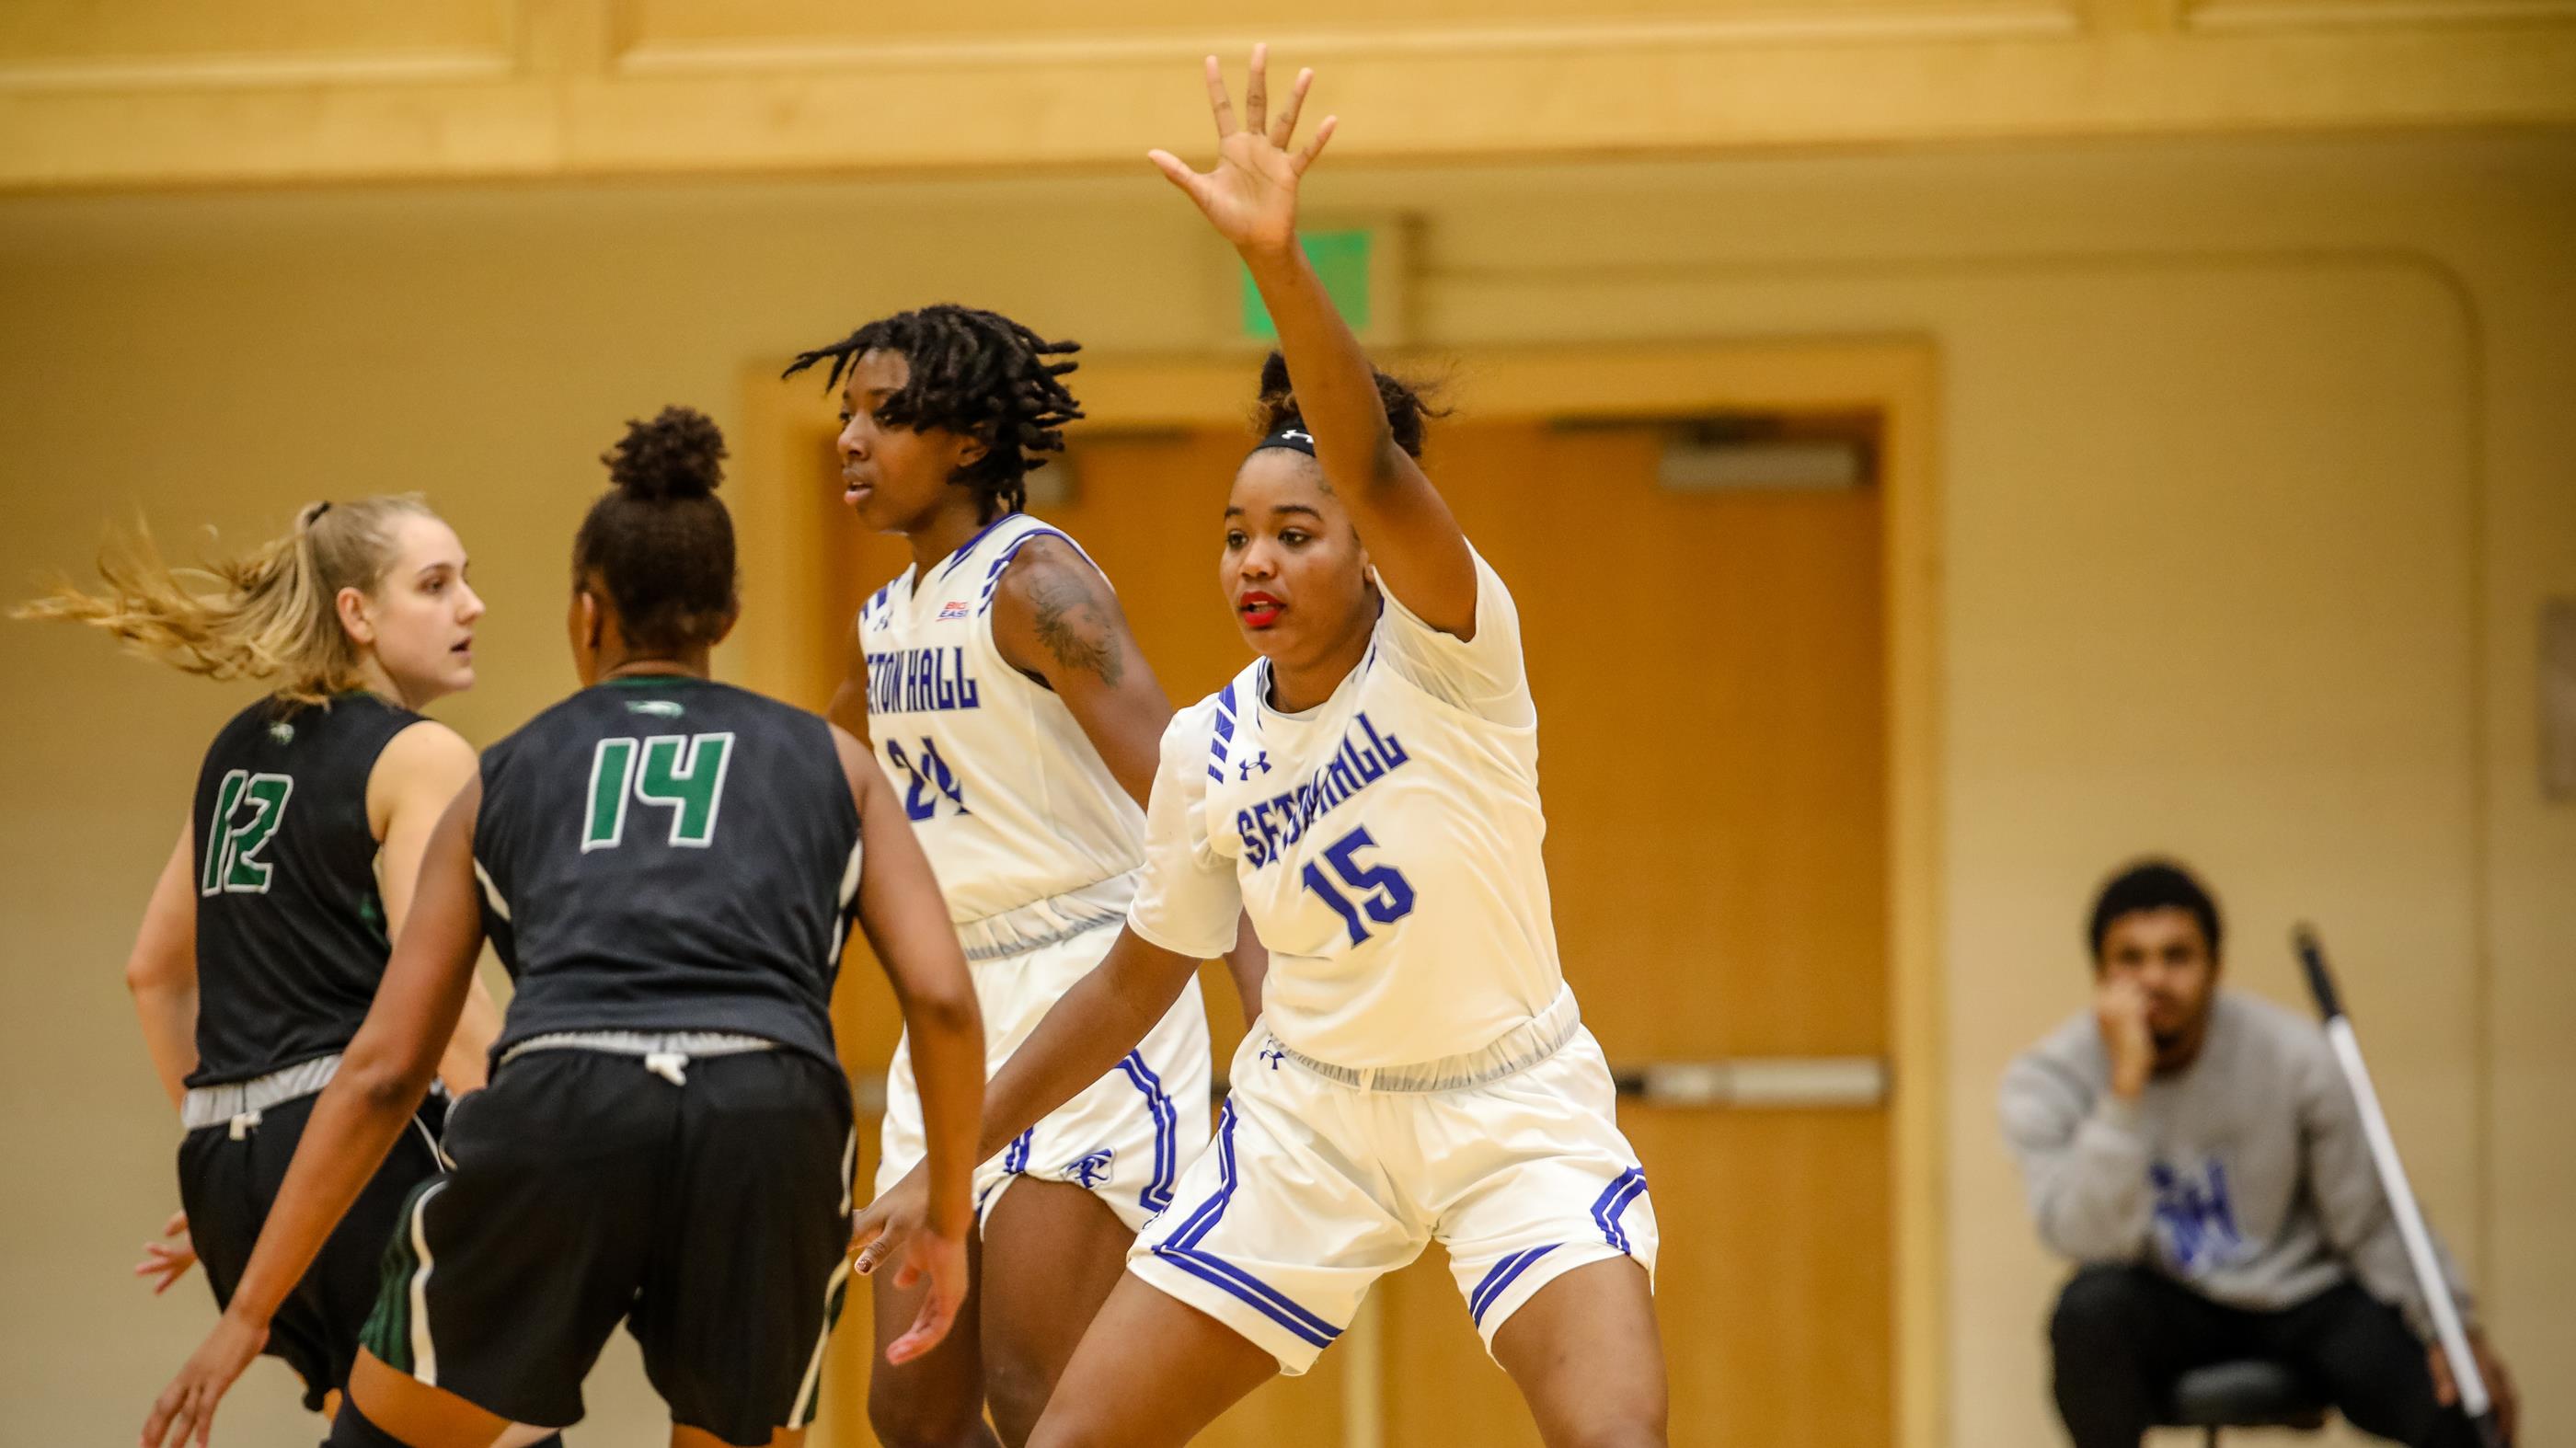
(1321, 1179)
(1124, 1138)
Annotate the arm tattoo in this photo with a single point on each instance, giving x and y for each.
(1074, 628)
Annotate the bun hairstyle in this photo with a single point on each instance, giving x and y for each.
(271, 613)
(679, 454)
(1407, 406)
(658, 546)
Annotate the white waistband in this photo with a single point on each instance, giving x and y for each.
(1051, 921)
(647, 1044)
(664, 1053)
(240, 1102)
(1517, 1049)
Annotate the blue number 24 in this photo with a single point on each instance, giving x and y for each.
(1379, 891)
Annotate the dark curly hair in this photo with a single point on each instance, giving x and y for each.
(659, 542)
(976, 373)
(2152, 884)
(1407, 404)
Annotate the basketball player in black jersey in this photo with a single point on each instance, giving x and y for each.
(668, 866)
(269, 928)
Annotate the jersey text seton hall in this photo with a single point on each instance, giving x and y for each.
(920, 681)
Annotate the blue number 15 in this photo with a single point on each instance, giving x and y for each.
(1380, 892)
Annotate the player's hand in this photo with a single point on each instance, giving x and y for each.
(1250, 195)
(942, 1260)
(896, 1228)
(185, 1411)
(2446, 1389)
(885, 1227)
(169, 1259)
(2120, 1011)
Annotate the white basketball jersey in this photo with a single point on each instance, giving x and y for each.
(1008, 796)
(1385, 844)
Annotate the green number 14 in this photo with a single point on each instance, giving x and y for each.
(684, 774)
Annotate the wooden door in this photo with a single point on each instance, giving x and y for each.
(1710, 676)
(1711, 739)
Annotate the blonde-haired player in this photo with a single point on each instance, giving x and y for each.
(269, 930)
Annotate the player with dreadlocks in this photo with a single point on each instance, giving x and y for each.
(999, 684)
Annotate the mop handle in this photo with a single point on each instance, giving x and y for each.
(2401, 1196)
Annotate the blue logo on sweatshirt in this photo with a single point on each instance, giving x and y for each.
(2195, 1218)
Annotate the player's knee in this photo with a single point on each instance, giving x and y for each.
(924, 1420)
(1064, 1430)
(2096, 1305)
(1638, 1434)
(1619, 1417)
(1018, 1391)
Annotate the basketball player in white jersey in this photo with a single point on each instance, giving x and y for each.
(998, 684)
(1367, 792)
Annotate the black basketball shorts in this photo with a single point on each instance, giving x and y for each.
(711, 1216)
(227, 1185)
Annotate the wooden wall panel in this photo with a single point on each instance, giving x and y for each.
(160, 92)
(770, 23)
(63, 32)
(2416, 14)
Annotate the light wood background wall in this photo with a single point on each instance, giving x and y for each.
(2253, 452)
(150, 92)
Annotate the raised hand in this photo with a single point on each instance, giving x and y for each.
(1250, 195)
(168, 1260)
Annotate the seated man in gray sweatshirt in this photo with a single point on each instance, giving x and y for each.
(2199, 1156)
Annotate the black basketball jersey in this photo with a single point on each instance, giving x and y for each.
(290, 925)
(662, 853)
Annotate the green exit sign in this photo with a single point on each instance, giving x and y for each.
(1341, 262)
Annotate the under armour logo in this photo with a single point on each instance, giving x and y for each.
(1274, 1053)
(1243, 771)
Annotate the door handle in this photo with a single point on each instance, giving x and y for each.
(1758, 1083)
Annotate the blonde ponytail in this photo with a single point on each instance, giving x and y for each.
(272, 613)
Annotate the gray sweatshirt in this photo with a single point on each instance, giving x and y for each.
(2244, 1175)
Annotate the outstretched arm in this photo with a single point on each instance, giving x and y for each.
(901, 912)
(1250, 197)
(382, 1077)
